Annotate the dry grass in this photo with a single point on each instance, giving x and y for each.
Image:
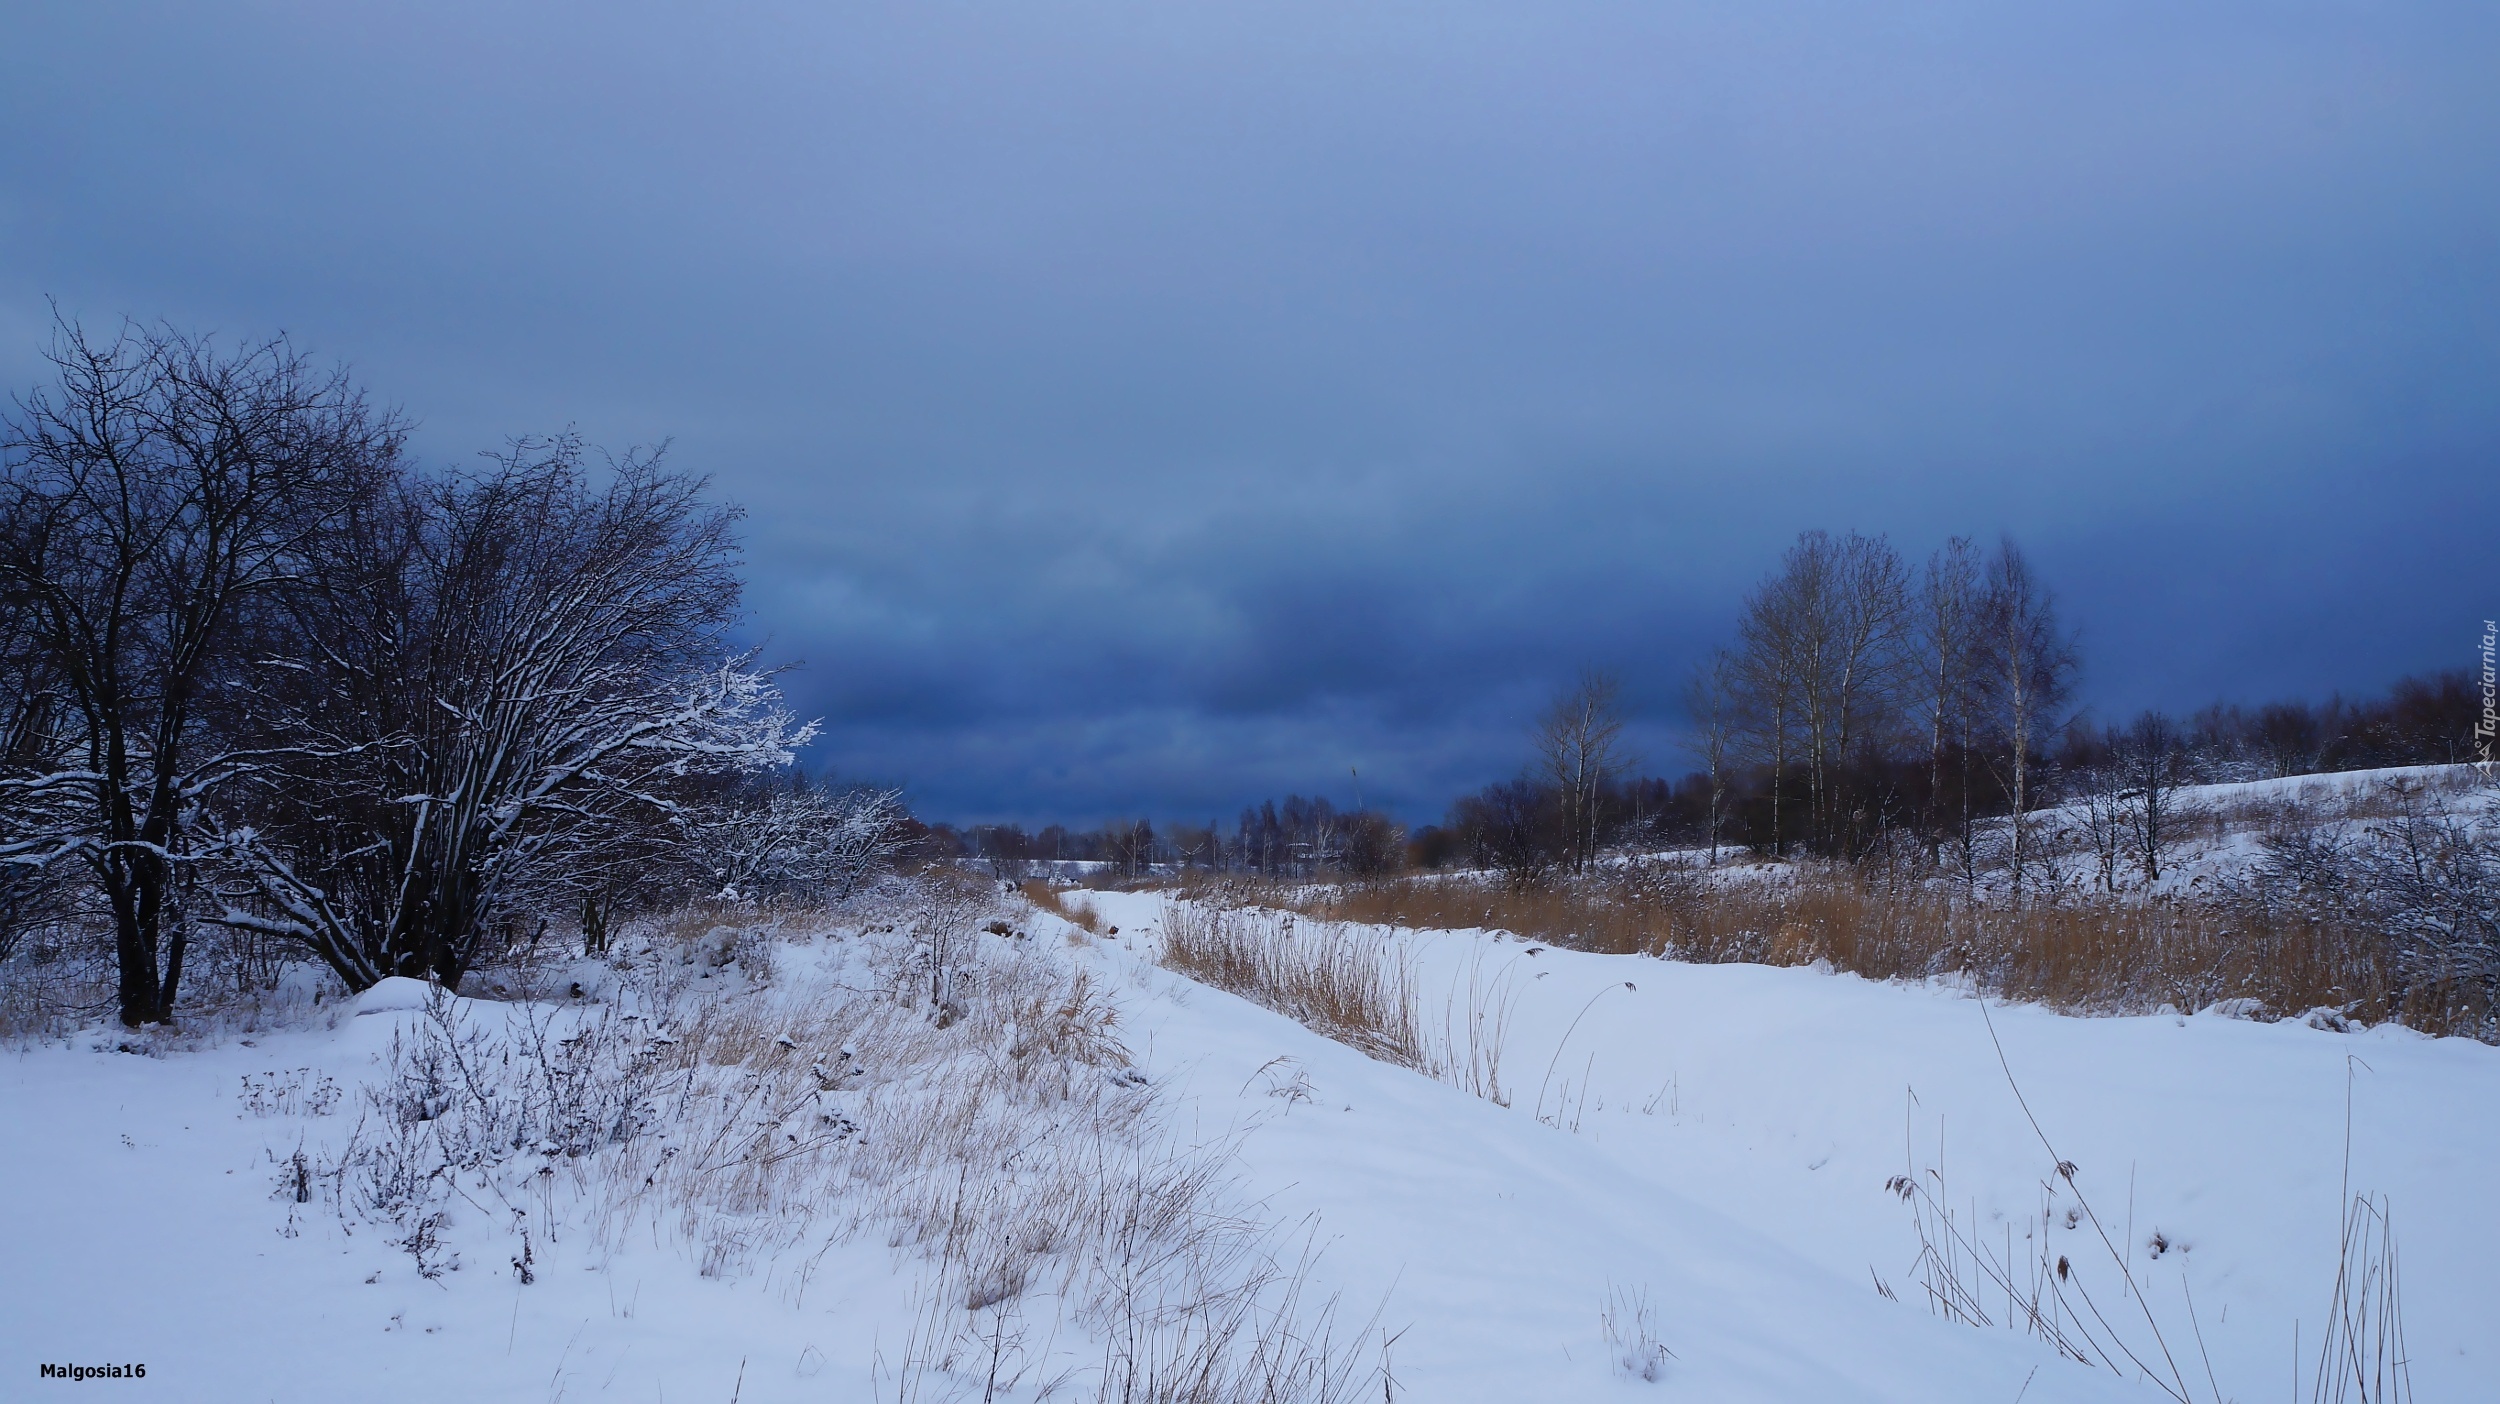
(1351, 985)
(47, 990)
(2079, 953)
(1630, 1326)
(1341, 982)
(1978, 1274)
(2362, 1358)
(957, 1096)
(1079, 912)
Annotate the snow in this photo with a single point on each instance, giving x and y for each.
(1712, 1139)
(394, 994)
(2318, 788)
(1782, 1099)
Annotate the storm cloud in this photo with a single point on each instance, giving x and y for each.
(1142, 408)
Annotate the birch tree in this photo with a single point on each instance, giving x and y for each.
(1949, 617)
(1771, 656)
(1579, 744)
(1868, 633)
(2026, 666)
(1819, 647)
(1710, 699)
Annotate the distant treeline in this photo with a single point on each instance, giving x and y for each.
(2426, 719)
(1296, 837)
(1864, 709)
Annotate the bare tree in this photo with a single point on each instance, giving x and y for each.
(2098, 795)
(506, 688)
(1768, 677)
(158, 492)
(1008, 851)
(2098, 805)
(2027, 664)
(1948, 627)
(1578, 742)
(1820, 656)
(1710, 698)
(2433, 878)
(2428, 878)
(1131, 848)
(2289, 737)
(1374, 844)
(1860, 680)
(2152, 765)
(35, 892)
(1514, 826)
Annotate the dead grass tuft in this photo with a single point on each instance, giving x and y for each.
(1353, 986)
(1079, 912)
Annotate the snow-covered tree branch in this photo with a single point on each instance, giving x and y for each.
(155, 501)
(820, 845)
(519, 688)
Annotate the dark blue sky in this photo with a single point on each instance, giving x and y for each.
(1147, 407)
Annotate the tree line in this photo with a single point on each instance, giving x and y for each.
(262, 677)
(1297, 837)
(1857, 735)
(1866, 708)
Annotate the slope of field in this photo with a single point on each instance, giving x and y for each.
(1693, 1156)
(2214, 1150)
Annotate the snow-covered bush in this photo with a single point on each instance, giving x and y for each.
(820, 846)
(498, 695)
(2427, 878)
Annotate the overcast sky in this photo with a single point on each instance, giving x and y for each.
(1143, 408)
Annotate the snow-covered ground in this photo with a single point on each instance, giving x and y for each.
(2322, 790)
(1711, 1141)
(1782, 1100)
(2215, 828)
(2219, 828)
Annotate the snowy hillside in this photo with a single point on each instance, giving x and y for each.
(1689, 1182)
(1786, 1098)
